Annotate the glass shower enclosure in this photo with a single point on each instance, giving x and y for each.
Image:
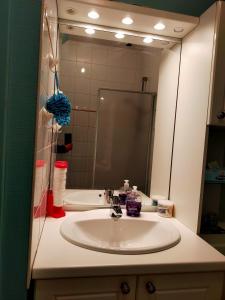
(123, 142)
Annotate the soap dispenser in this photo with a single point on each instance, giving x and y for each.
(133, 203)
(124, 191)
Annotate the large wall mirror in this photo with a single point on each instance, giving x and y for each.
(112, 82)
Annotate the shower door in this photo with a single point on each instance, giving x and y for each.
(123, 139)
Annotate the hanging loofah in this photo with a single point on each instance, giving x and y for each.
(59, 105)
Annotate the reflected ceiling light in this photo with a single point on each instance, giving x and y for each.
(178, 29)
(93, 14)
(90, 30)
(159, 26)
(102, 98)
(148, 40)
(127, 21)
(82, 70)
(119, 35)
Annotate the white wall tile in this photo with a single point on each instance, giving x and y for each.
(99, 72)
(100, 55)
(81, 85)
(67, 68)
(83, 51)
(80, 118)
(81, 99)
(97, 84)
(68, 51)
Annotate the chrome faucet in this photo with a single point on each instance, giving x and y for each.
(115, 209)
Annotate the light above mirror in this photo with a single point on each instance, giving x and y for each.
(127, 21)
(148, 40)
(159, 26)
(93, 15)
(90, 31)
(120, 35)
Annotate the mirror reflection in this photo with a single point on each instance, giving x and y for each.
(113, 90)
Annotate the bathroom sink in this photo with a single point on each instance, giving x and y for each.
(96, 230)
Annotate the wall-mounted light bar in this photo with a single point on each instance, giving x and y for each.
(149, 38)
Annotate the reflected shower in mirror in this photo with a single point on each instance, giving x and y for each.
(112, 87)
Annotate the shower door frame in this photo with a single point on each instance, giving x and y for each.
(150, 135)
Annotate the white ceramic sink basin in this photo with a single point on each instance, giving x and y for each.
(96, 230)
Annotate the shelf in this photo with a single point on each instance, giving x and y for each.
(214, 182)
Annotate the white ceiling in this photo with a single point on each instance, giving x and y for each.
(111, 14)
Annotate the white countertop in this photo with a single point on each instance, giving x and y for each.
(57, 258)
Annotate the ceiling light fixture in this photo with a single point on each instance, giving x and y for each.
(90, 31)
(127, 21)
(148, 40)
(119, 35)
(159, 26)
(93, 14)
(82, 70)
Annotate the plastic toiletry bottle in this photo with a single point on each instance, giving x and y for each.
(155, 201)
(133, 203)
(124, 191)
(59, 185)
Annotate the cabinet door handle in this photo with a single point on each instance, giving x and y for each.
(124, 287)
(221, 115)
(150, 287)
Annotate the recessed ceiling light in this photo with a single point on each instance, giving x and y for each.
(93, 14)
(127, 21)
(90, 30)
(178, 29)
(159, 26)
(119, 35)
(148, 40)
(82, 70)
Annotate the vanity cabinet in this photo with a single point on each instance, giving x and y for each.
(180, 286)
(95, 288)
(194, 286)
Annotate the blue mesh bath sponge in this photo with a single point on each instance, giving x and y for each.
(59, 105)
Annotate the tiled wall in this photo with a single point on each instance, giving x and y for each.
(44, 133)
(105, 66)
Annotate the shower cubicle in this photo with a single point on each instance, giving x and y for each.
(123, 140)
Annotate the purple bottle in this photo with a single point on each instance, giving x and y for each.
(133, 203)
(124, 191)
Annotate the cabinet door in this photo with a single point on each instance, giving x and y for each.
(196, 286)
(96, 288)
(216, 113)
